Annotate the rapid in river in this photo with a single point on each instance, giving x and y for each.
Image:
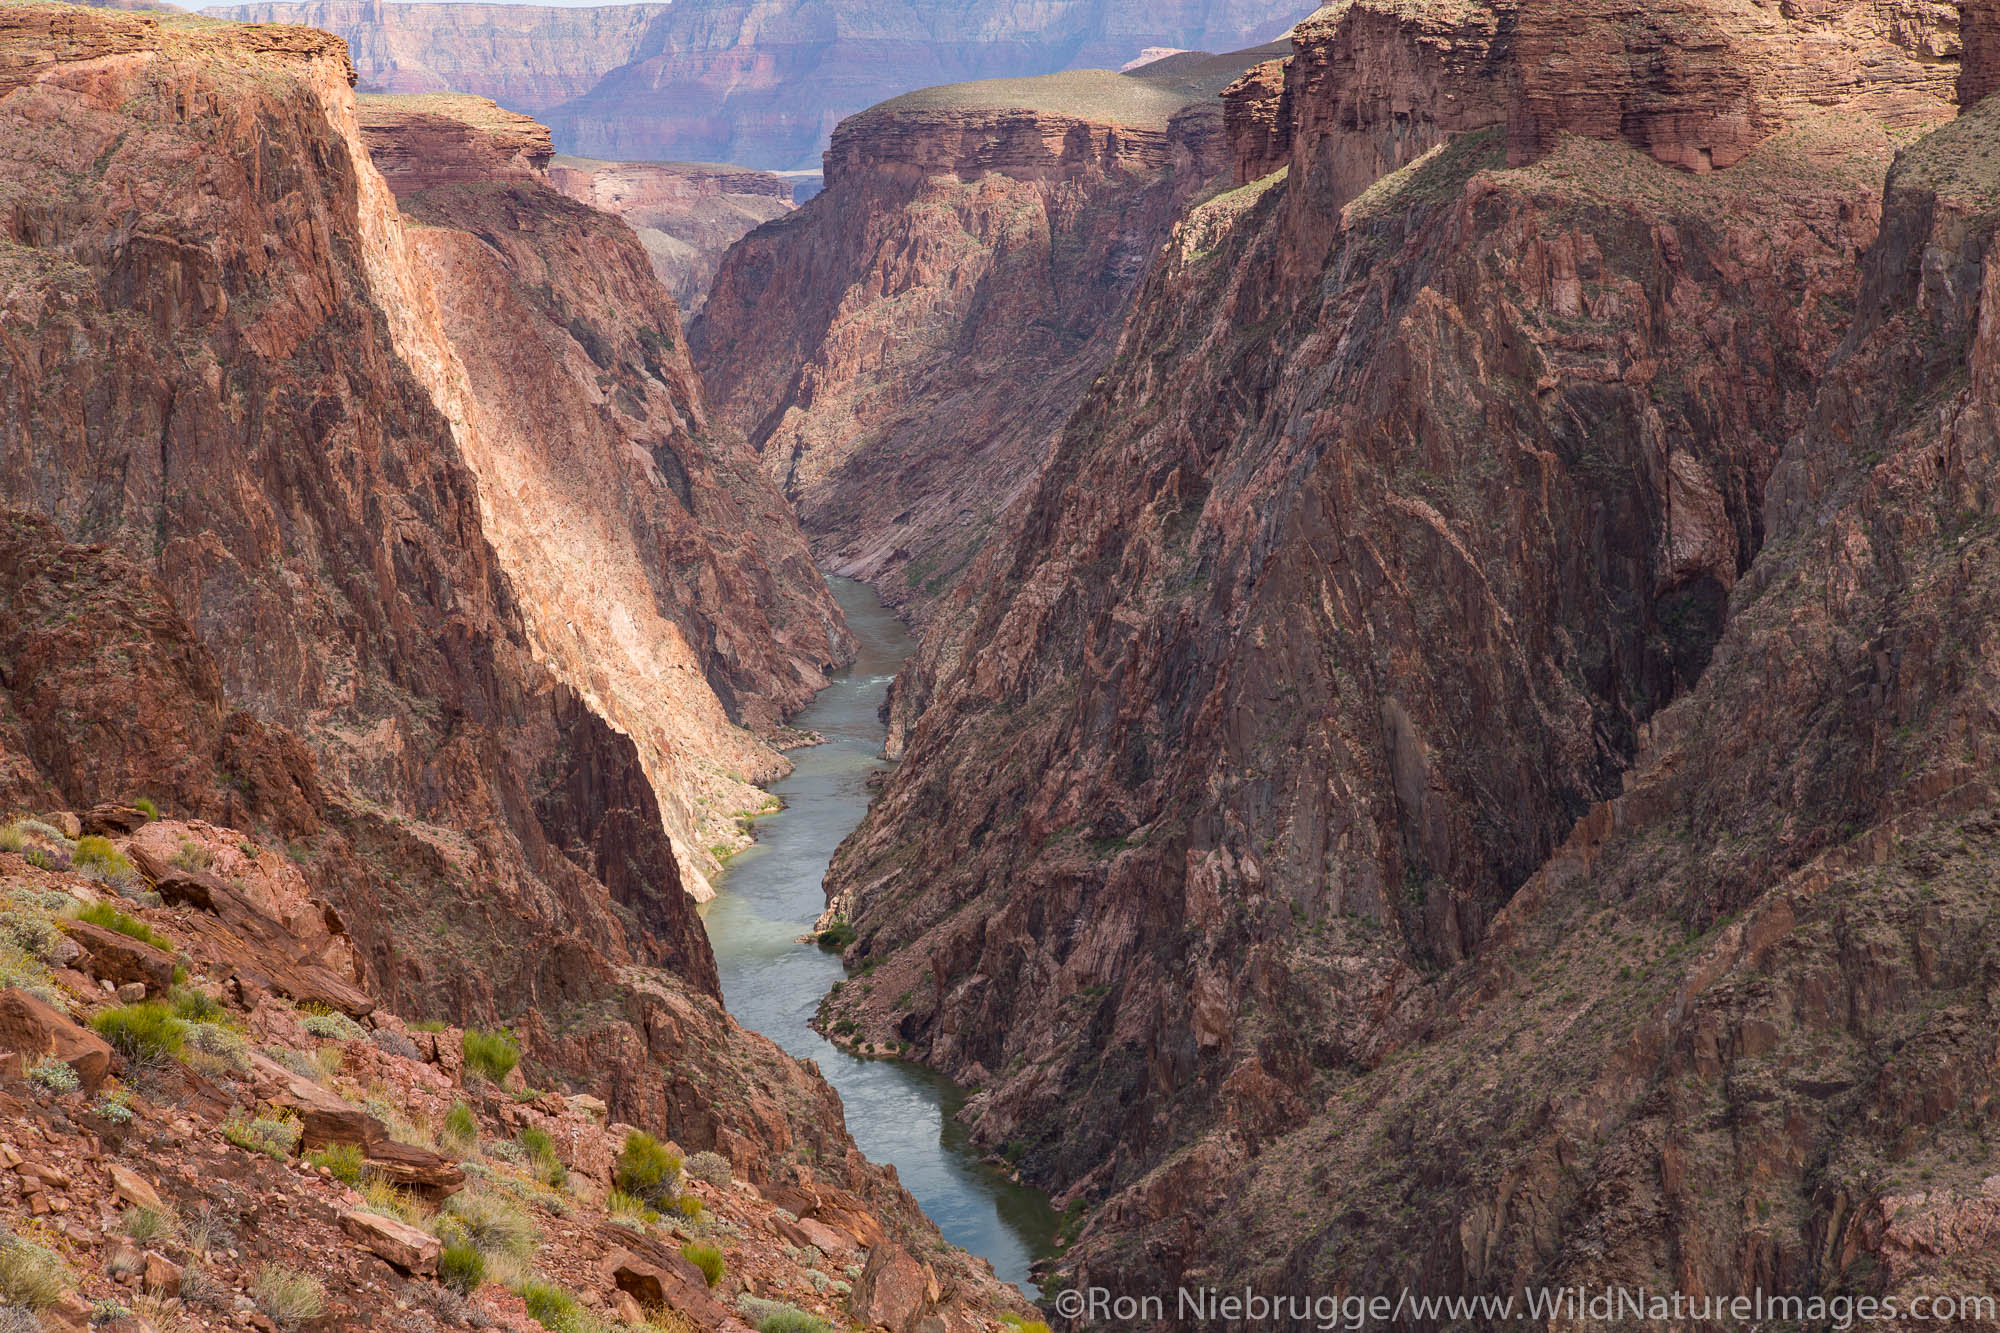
(769, 896)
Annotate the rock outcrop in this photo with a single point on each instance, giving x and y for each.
(901, 348)
(760, 82)
(671, 592)
(1363, 777)
(254, 577)
(687, 214)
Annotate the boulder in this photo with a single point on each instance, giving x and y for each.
(894, 1290)
(161, 1276)
(120, 959)
(112, 820)
(133, 1188)
(408, 1248)
(655, 1275)
(414, 1168)
(36, 1029)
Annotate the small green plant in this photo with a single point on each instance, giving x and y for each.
(287, 1295)
(629, 1210)
(31, 1276)
(550, 1305)
(493, 1224)
(142, 1032)
(647, 1169)
(115, 1106)
(1023, 1325)
(109, 917)
(54, 1076)
(96, 853)
(197, 1006)
(791, 1319)
(461, 1267)
(707, 1258)
(192, 857)
(216, 1051)
(460, 1130)
(383, 1197)
(491, 1055)
(144, 805)
(12, 839)
(428, 1025)
(343, 1160)
(712, 1168)
(540, 1151)
(838, 935)
(688, 1206)
(272, 1136)
(147, 1225)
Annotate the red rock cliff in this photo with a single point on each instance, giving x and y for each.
(1420, 496)
(902, 346)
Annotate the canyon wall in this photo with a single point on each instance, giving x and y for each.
(1395, 805)
(758, 82)
(657, 569)
(263, 573)
(686, 214)
(902, 348)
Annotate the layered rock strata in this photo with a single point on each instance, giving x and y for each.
(686, 214)
(761, 82)
(902, 347)
(1366, 779)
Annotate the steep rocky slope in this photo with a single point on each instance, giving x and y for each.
(656, 567)
(227, 366)
(902, 348)
(760, 82)
(687, 214)
(243, 1133)
(1259, 848)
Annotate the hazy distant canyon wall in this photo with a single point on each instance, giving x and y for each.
(756, 82)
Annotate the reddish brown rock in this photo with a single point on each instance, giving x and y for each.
(894, 1291)
(36, 1030)
(411, 1249)
(120, 959)
(423, 141)
(1257, 121)
(1979, 66)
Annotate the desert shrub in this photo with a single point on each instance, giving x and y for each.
(648, 1169)
(629, 1209)
(460, 1129)
(31, 1276)
(493, 1225)
(144, 805)
(216, 1051)
(491, 1055)
(838, 935)
(207, 1231)
(778, 1317)
(272, 1136)
(196, 1006)
(461, 1267)
(12, 839)
(287, 1295)
(96, 857)
(711, 1167)
(53, 1075)
(109, 917)
(115, 1106)
(344, 1160)
(338, 1027)
(540, 1151)
(550, 1305)
(33, 934)
(193, 858)
(688, 1206)
(707, 1258)
(381, 1196)
(392, 1042)
(147, 1225)
(428, 1025)
(1023, 1325)
(142, 1032)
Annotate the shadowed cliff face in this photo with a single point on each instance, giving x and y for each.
(902, 349)
(228, 363)
(760, 82)
(1422, 480)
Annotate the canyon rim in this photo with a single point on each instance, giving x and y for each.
(1444, 772)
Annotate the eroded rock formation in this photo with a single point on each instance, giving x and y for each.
(902, 347)
(760, 82)
(256, 583)
(1411, 762)
(687, 214)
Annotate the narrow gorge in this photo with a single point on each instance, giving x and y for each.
(1347, 665)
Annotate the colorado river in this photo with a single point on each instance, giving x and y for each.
(898, 1112)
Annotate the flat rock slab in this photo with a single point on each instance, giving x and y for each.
(408, 1248)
